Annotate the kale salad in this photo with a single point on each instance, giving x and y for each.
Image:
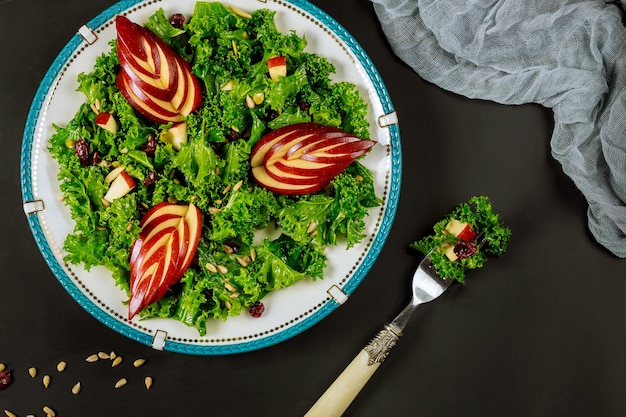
(227, 50)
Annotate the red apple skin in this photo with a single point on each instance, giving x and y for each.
(344, 152)
(162, 252)
(277, 67)
(275, 172)
(142, 103)
(467, 233)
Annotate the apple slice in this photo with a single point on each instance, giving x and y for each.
(107, 122)
(153, 78)
(113, 174)
(120, 186)
(304, 157)
(277, 67)
(162, 252)
(175, 135)
(461, 230)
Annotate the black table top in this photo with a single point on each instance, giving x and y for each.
(538, 332)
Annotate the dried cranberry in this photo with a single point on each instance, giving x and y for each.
(81, 149)
(6, 377)
(95, 158)
(272, 114)
(233, 134)
(150, 147)
(177, 20)
(150, 178)
(257, 309)
(464, 249)
(304, 106)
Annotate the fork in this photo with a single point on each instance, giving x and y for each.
(426, 285)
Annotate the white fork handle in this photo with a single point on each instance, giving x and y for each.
(337, 398)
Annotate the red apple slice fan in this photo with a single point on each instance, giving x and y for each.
(304, 157)
(154, 79)
(163, 251)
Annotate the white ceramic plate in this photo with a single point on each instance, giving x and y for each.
(289, 311)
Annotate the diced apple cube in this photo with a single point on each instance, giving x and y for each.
(121, 185)
(461, 230)
(175, 135)
(107, 122)
(277, 67)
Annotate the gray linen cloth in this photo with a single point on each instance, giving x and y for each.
(566, 55)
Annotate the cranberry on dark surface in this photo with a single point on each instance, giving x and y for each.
(464, 249)
(150, 178)
(150, 147)
(6, 377)
(81, 149)
(257, 309)
(177, 20)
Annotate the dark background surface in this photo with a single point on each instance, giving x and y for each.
(538, 332)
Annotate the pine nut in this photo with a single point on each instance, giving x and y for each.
(61, 366)
(258, 98)
(148, 382)
(46, 381)
(76, 388)
(139, 362)
(32, 372)
(120, 383)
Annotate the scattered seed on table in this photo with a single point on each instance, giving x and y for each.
(112, 355)
(120, 383)
(46, 381)
(92, 358)
(61, 366)
(139, 362)
(49, 411)
(32, 372)
(103, 355)
(76, 388)
(9, 413)
(116, 362)
(148, 382)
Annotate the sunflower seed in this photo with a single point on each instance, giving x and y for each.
(120, 383)
(46, 381)
(227, 189)
(32, 372)
(311, 227)
(211, 267)
(243, 260)
(139, 362)
(228, 304)
(234, 295)
(61, 366)
(238, 186)
(49, 411)
(76, 388)
(148, 382)
(230, 287)
(258, 98)
(227, 249)
(112, 355)
(214, 210)
(92, 358)
(9, 413)
(103, 355)
(116, 361)
(250, 102)
(222, 269)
